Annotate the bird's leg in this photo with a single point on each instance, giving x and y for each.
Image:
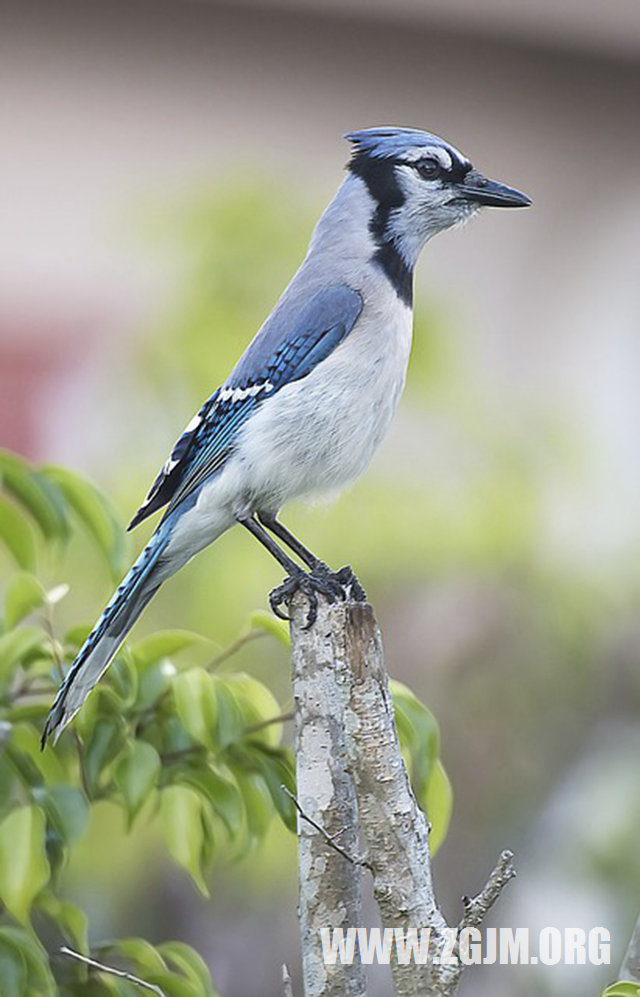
(345, 576)
(297, 580)
(275, 526)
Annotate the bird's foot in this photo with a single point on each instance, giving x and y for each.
(321, 580)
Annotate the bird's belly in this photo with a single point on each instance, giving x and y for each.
(320, 433)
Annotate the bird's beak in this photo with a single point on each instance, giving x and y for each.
(478, 189)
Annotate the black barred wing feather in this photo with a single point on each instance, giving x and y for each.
(173, 471)
(287, 348)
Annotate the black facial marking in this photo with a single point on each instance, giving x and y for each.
(400, 275)
(430, 168)
(380, 178)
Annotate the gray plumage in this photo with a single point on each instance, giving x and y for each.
(312, 397)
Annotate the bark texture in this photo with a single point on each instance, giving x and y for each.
(352, 781)
(395, 829)
(329, 885)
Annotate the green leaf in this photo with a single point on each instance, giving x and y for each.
(171, 985)
(105, 742)
(32, 764)
(213, 834)
(104, 704)
(41, 498)
(218, 786)
(183, 830)
(262, 620)
(75, 636)
(437, 803)
(26, 712)
(622, 989)
(24, 594)
(165, 644)
(71, 921)
(154, 679)
(40, 982)
(123, 678)
(418, 735)
(196, 704)
(175, 739)
(7, 784)
(17, 645)
(422, 724)
(136, 775)
(257, 801)
(141, 954)
(231, 722)
(277, 768)
(419, 739)
(257, 704)
(185, 959)
(67, 810)
(17, 535)
(13, 969)
(24, 869)
(93, 510)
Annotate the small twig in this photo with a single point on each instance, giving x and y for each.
(234, 648)
(329, 838)
(282, 718)
(121, 973)
(287, 986)
(476, 908)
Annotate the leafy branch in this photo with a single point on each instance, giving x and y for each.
(174, 735)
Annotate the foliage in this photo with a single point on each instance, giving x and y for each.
(170, 736)
(192, 747)
(420, 745)
(623, 988)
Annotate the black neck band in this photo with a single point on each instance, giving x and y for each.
(380, 178)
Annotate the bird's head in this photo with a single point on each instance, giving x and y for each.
(421, 185)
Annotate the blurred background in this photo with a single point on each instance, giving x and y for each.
(163, 165)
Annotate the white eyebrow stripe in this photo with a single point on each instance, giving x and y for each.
(434, 151)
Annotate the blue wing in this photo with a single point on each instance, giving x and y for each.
(291, 343)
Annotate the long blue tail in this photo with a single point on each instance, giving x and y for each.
(94, 657)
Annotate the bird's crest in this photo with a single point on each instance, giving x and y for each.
(394, 143)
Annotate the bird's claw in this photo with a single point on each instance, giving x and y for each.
(320, 580)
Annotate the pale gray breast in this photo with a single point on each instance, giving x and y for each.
(320, 433)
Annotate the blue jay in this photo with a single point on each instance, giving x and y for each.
(312, 397)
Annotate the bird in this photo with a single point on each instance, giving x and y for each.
(313, 395)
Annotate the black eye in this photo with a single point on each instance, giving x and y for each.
(428, 169)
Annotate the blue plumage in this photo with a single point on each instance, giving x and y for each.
(312, 397)
(298, 335)
(394, 143)
(289, 345)
(134, 592)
